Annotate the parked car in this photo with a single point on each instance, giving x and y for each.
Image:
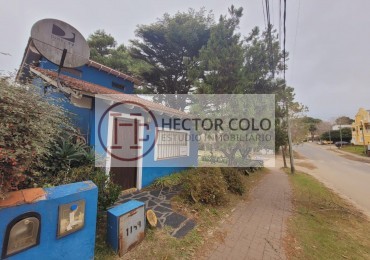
(341, 143)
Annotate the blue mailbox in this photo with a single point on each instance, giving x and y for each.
(126, 226)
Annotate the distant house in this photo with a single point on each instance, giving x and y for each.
(361, 128)
(338, 127)
(78, 88)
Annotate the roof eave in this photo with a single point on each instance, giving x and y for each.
(78, 93)
(117, 73)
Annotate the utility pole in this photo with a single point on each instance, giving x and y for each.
(291, 157)
(292, 169)
(363, 137)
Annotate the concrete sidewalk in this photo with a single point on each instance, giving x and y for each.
(256, 228)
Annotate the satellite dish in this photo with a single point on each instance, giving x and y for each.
(60, 43)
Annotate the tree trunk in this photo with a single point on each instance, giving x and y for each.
(283, 150)
(230, 155)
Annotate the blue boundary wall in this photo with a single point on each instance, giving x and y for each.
(78, 245)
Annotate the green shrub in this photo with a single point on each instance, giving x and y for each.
(168, 181)
(234, 180)
(64, 155)
(108, 191)
(30, 122)
(335, 135)
(213, 159)
(205, 185)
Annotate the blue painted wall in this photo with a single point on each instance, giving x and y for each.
(152, 168)
(84, 119)
(78, 245)
(93, 75)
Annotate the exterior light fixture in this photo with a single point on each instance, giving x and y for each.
(22, 233)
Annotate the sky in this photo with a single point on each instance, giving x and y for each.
(328, 40)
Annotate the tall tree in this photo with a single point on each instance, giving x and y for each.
(311, 124)
(323, 127)
(171, 45)
(219, 67)
(284, 100)
(100, 44)
(344, 120)
(104, 49)
(263, 62)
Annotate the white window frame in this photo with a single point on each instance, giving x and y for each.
(158, 129)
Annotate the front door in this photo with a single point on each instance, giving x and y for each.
(124, 146)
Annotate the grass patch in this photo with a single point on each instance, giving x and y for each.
(159, 244)
(355, 149)
(168, 181)
(324, 226)
(102, 249)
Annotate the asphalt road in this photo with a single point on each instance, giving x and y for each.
(349, 178)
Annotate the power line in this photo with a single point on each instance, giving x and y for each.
(297, 24)
(280, 23)
(273, 11)
(284, 52)
(269, 28)
(296, 33)
(5, 53)
(264, 15)
(268, 12)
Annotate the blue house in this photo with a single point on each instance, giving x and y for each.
(134, 137)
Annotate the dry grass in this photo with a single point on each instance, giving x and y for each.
(323, 225)
(307, 165)
(354, 158)
(298, 156)
(158, 244)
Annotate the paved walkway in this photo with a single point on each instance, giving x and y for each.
(160, 202)
(256, 228)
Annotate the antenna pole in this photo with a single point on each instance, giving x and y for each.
(62, 60)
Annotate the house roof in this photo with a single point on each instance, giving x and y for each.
(32, 56)
(113, 72)
(88, 88)
(80, 87)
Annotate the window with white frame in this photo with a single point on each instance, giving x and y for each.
(171, 144)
